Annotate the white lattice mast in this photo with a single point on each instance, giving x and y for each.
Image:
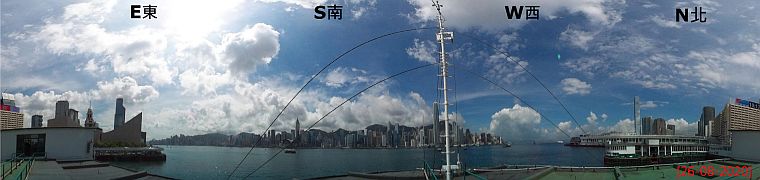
(441, 36)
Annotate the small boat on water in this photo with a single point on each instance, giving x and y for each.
(290, 150)
(507, 144)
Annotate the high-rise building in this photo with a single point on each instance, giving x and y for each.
(467, 135)
(64, 117)
(61, 110)
(74, 117)
(36, 121)
(708, 114)
(636, 113)
(739, 115)
(297, 139)
(659, 127)
(10, 115)
(119, 116)
(671, 130)
(646, 125)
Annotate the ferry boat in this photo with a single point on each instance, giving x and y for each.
(593, 140)
(638, 150)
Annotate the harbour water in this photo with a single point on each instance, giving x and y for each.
(208, 162)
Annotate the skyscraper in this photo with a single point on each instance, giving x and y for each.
(61, 110)
(36, 121)
(708, 114)
(646, 126)
(659, 127)
(74, 117)
(636, 113)
(119, 116)
(297, 138)
(64, 117)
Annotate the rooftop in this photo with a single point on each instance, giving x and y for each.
(44, 170)
(661, 171)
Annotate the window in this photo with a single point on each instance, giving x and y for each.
(30, 144)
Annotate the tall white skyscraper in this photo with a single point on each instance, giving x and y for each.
(636, 114)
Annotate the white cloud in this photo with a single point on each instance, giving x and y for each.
(661, 21)
(490, 15)
(565, 126)
(517, 122)
(683, 127)
(624, 126)
(586, 65)
(592, 118)
(342, 76)
(651, 72)
(137, 51)
(203, 81)
(43, 102)
(253, 46)
(575, 86)
(423, 51)
(127, 88)
(578, 38)
(510, 41)
(652, 104)
(503, 70)
(357, 8)
(249, 107)
(718, 68)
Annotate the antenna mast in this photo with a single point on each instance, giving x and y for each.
(441, 36)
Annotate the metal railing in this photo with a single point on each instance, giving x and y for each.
(19, 166)
(12, 164)
(470, 173)
(429, 173)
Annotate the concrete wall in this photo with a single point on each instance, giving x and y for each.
(745, 145)
(61, 143)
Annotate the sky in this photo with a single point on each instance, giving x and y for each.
(231, 66)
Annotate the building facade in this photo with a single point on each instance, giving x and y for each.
(646, 126)
(59, 143)
(708, 114)
(739, 115)
(636, 150)
(659, 127)
(11, 116)
(64, 117)
(36, 121)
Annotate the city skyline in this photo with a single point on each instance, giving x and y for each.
(201, 81)
(373, 136)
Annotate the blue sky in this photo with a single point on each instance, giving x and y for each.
(229, 66)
